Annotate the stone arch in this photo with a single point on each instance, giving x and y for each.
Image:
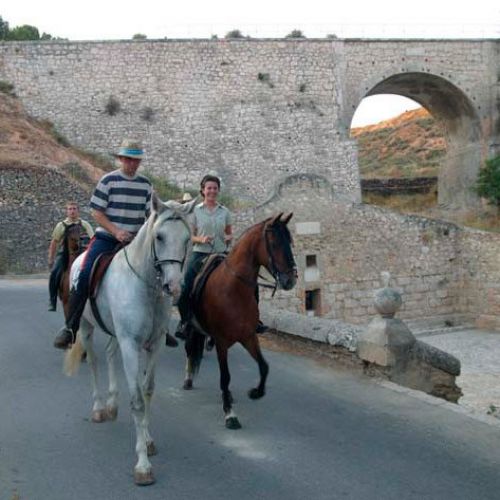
(451, 106)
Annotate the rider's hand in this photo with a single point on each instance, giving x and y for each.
(123, 236)
(51, 264)
(207, 239)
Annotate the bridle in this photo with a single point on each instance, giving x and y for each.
(157, 263)
(271, 266)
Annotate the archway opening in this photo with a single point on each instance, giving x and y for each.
(401, 147)
(437, 136)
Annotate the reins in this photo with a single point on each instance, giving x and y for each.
(272, 268)
(156, 261)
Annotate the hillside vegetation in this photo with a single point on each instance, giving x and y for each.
(410, 145)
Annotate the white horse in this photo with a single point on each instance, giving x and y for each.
(134, 302)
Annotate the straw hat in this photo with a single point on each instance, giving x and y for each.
(131, 149)
(186, 197)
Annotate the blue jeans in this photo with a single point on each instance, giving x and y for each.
(101, 243)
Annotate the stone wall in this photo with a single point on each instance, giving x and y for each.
(249, 112)
(445, 273)
(253, 111)
(32, 201)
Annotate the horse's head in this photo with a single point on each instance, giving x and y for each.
(278, 244)
(170, 240)
(72, 239)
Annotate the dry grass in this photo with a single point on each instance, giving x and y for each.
(417, 203)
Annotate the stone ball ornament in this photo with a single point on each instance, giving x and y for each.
(387, 300)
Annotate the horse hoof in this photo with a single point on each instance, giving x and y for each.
(255, 393)
(233, 423)
(188, 384)
(152, 450)
(99, 416)
(144, 478)
(111, 412)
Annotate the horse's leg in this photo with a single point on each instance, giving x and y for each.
(232, 421)
(148, 389)
(143, 473)
(86, 331)
(112, 401)
(252, 346)
(188, 380)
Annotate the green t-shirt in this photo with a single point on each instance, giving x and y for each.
(58, 232)
(211, 223)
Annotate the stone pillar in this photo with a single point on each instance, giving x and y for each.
(387, 341)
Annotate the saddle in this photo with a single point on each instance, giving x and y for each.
(209, 265)
(99, 268)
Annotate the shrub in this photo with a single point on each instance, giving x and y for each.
(295, 34)
(50, 127)
(234, 34)
(7, 88)
(163, 188)
(488, 181)
(112, 106)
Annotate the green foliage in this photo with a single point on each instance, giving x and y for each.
(488, 181)
(4, 29)
(7, 88)
(113, 106)
(21, 33)
(50, 127)
(24, 32)
(164, 189)
(139, 36)
(295, 34)
(234, 34)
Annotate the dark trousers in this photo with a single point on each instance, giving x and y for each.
(101, 243)
(194, 266)
(55, 279)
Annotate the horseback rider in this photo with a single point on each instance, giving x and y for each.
(120, 204)
(211, 233)
(55, 260)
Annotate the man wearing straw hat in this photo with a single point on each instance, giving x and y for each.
(120, 204)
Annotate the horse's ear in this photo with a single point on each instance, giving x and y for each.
(188, 207)
(275, 219)
(157, 205)
(286, 218)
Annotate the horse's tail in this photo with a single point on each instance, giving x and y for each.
(73, 357)
(194, 345)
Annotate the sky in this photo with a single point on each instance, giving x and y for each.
(112, 19)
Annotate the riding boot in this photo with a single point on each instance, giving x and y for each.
(67, 334)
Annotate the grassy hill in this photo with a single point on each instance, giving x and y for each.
(410, 145)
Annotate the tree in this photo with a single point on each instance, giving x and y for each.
(488, 181)
(234, 34)
(4, 29)
(295, 34)
(139, 36)
(24, 32)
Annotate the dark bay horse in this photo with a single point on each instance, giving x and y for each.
(228, 309)
(72, 247)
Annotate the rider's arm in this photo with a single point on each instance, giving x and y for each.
(105, 223)
(52, 252)
(228, 234)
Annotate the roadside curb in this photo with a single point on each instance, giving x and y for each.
(434, 401)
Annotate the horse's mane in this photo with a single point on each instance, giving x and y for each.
(285, 234)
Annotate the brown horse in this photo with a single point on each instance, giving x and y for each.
(72, 247)
(228, 309)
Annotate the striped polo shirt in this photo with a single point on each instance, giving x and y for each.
(126, 201)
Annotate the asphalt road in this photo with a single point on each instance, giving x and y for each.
(318, 433)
